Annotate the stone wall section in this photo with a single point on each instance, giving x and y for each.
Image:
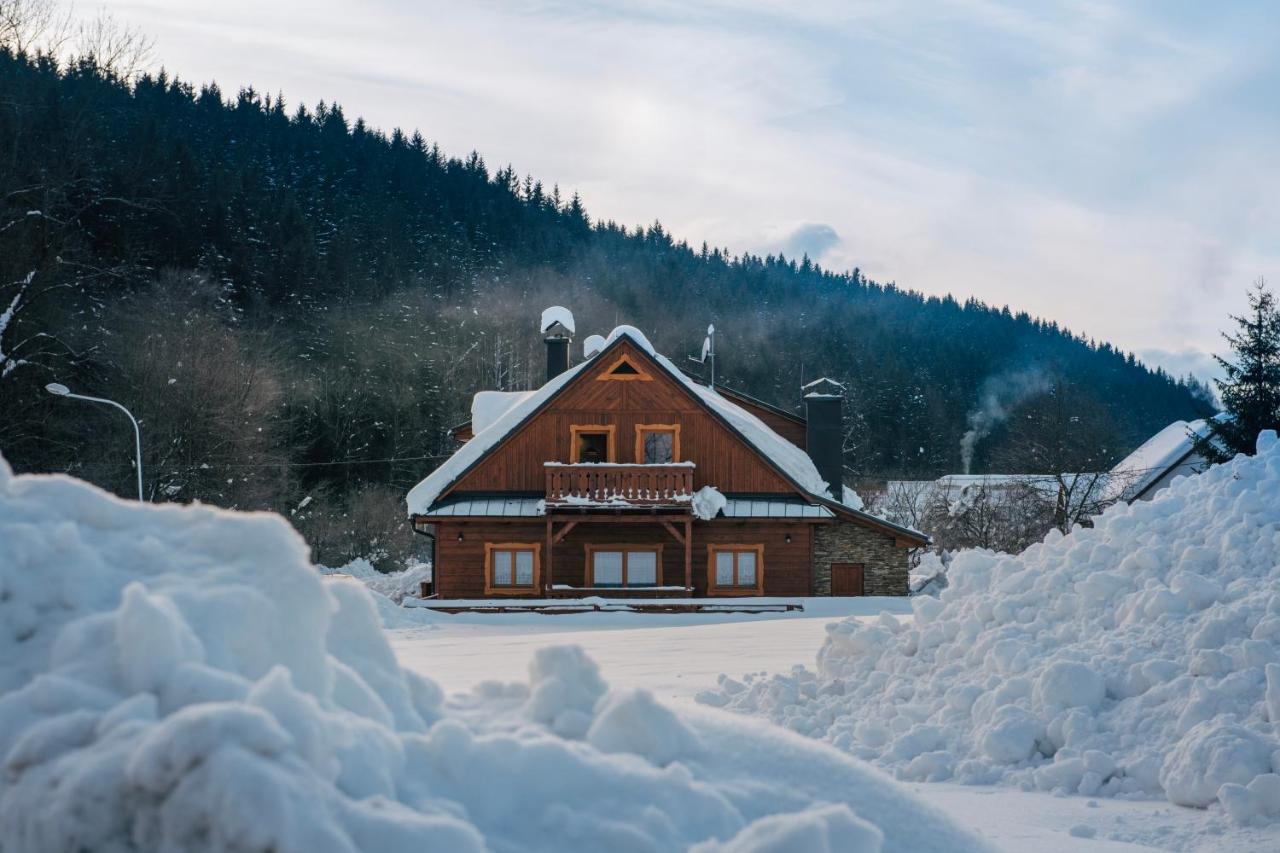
(884, 564)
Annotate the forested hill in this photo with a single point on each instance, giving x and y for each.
(280, 292)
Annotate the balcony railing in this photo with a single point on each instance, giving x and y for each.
(619, 485)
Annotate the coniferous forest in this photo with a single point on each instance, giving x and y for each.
(298, 306)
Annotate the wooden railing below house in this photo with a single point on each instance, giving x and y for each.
(619, 485)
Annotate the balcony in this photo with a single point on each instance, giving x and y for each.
(614, 485)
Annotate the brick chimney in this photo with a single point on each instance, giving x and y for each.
(824, 431)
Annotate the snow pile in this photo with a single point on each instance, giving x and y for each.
(557, 314)
(708, 502)
(488, 406)
(1140, 657)
(181, 678)
(392, 585)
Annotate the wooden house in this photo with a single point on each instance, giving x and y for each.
(624, 476)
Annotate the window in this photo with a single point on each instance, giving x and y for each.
(623, 565)
(657, 444)
(735, 569)
(591, 443)
(624, 369)
(511, 568)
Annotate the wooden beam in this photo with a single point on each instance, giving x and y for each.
(688, 554)
(547, 580)
(671, 528)
(564, 531)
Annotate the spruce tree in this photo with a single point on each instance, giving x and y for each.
(1251, 390)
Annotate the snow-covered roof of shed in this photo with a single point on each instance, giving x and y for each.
(790, 459)
(557, 314)
(1154, 457)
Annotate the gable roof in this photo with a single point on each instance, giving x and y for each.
(1168, 450)
(792, 463)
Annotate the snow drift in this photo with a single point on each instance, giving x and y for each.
(1139, 657)
(182, 678)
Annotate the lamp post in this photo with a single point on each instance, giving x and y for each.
(59, 390)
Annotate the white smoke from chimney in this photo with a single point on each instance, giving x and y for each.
(999, 394)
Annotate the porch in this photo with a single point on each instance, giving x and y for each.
(636, 553)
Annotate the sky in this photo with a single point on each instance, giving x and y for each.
(1114, 167)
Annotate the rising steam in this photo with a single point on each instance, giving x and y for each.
(999, 394)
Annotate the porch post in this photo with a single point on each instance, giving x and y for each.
(688, 554)
(546, 569)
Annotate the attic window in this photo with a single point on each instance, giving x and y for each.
(624, 369)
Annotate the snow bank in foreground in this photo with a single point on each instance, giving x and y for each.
(1140, 657)
(181, 678)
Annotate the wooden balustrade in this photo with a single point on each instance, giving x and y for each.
(620, 485)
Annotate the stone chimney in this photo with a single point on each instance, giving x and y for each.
(557, 326)
(824, 431)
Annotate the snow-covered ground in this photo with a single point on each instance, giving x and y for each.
(181, 678)
(678, 656)
(674, 655)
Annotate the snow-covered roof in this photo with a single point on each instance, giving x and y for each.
(1154, 458)
(488, 406)
(790, 460)
(822, 387)
(557, 314)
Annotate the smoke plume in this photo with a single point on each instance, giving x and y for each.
(999, 394)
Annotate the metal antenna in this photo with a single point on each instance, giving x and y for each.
(708, 353)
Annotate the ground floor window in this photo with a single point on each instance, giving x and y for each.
(511, 567)
(623, 565)
(735, 569)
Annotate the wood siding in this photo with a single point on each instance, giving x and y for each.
(722, 458)
(460, 569)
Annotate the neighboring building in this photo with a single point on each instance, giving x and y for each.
(1167, 454)
(622, 475)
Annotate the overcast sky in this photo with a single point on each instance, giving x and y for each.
(1113, 167)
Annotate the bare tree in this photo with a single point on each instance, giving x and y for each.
(1060, 440)
(110, 46)
(34, 26)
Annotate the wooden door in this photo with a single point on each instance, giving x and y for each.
(846, 579)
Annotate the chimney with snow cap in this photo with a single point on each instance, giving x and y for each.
(824, 431)
(557, 325)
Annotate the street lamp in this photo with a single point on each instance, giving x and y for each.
(59, 390)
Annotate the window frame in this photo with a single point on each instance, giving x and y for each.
(608, 429)
(672, 429)
(715, 589)
(640, 375)
(493, 588)
(589, 569)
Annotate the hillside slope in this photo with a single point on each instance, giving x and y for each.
(280, 293)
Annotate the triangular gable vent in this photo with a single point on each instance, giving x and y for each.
(623, 369)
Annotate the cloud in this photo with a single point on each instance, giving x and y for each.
(1110, 167)
(1180, 363)
(814, 239)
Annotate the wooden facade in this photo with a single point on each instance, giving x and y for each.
(605, 501)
